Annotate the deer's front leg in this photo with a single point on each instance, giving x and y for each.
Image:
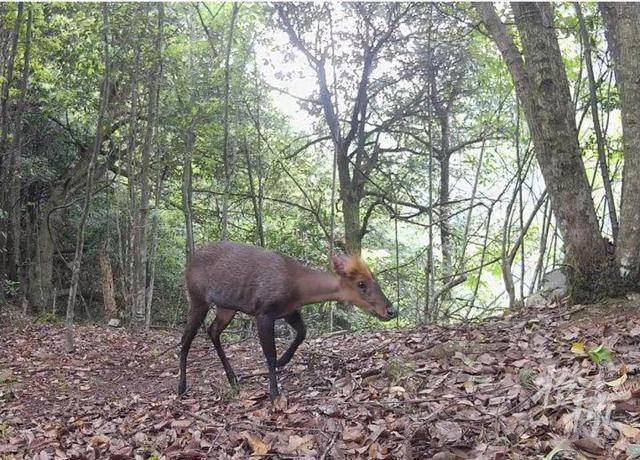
(267, 341)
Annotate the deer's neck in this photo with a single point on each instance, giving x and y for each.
(316, 286)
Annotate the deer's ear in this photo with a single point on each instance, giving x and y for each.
(339, 264)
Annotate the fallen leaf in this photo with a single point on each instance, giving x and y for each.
(627, 430)
(5, 375)
(617, 382)
(397, 391)
(447, 432)
(353, 433)
(590, 445)
(578, 349)
(299, 444)
(8, 448)
(98, 440)
(486, 358)
(258, 446)
(185, 423)
(469, 387)
(599, 354)
(376, 431)
(633, 451)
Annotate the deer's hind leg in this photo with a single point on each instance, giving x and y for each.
(196, 316)
(223, 318)
(295, 321)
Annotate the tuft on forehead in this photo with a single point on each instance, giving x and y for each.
(356, 266)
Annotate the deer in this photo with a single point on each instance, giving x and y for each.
(269, 286)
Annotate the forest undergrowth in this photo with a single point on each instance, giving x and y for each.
(556, 382)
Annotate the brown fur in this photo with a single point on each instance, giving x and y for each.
(356, 267)
(238, 277)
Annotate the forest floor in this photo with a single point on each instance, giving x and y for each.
(557, 382)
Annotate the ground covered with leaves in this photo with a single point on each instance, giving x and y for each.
(557, 382)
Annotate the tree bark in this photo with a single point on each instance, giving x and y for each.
(141, 250)
(187, 191)
(15, 162)
(593, 102)
(155, 230)
(257, 211)
(226, 154)
(6, 86)
(41, 279)
(4, 136)
(622, 23)
(77, 259)
(187, 158)
(445, 226)
(542, 87)
(106, 283)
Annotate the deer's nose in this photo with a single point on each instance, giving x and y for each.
(391, 312)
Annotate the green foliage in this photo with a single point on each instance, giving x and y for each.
(271, 155)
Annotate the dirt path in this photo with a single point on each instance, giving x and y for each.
(512, 388)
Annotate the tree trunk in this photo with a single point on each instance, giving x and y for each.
(593, 101)
(77, 259)
(226, 154)
(445, 226)
(154, 250)
(187, 189)
(257, 212)
(543, 89)
(350, 207)
(6, 85)
(15, 162)
(622, 23)
(41, 280)
(106, 282)
(351, 178)
(4, 135)
(141, 252)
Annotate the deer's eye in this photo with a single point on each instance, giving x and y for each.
(362, 286)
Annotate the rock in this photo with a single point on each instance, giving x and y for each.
(114, 322)
(534, 300)
(554, 285)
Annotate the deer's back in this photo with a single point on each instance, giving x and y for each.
(238, 276)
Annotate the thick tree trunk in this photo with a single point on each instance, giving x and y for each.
(622, 22)
(15, 162)
(4, 136)
(543, 89)
(6, 85)
(106, 283)
(350, 207)
(41, 279)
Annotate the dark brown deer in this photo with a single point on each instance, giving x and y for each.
(267, 285)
